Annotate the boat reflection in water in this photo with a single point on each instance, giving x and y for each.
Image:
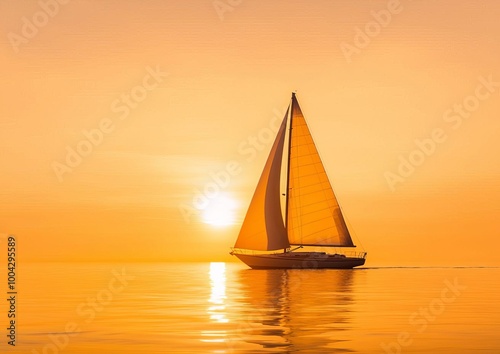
(294, 310)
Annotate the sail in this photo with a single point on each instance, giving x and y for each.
(263, 227)
(313, 213)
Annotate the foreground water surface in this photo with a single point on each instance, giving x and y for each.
(227, 308)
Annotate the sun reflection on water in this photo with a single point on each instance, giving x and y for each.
(218, 292)
(217, 307)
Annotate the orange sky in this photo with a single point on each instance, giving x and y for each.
(230, 74)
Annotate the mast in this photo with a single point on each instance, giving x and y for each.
(288, 164)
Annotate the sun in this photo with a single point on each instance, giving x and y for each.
(220, 211)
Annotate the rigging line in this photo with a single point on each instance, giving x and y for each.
(319, 231)
(353, 232)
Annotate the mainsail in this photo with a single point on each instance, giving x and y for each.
(263, 227)
(313, 216)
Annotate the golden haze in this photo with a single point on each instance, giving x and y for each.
(225, 81)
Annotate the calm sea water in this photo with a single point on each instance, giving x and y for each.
(227, 308)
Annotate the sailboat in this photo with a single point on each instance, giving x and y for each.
(312, 216)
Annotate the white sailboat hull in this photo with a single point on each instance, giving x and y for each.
(300, 260)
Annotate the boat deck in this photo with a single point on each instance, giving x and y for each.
(301, 260)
